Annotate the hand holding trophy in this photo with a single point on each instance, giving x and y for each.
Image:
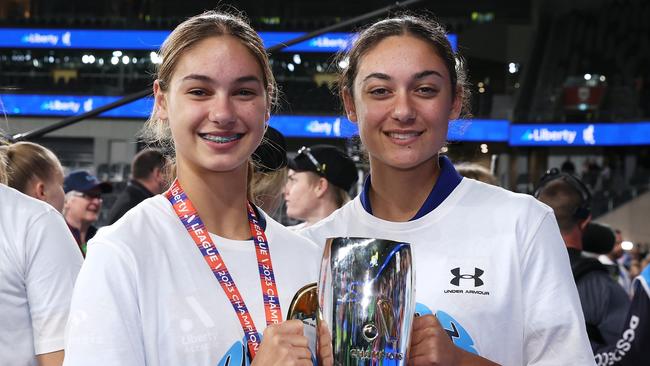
(365, 302)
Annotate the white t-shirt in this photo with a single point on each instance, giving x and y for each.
(145, 295)
(492, 266)
(39, 262)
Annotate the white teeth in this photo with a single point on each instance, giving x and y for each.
(403, 136)
(221, 139)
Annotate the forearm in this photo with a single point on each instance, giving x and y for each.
(50, 359)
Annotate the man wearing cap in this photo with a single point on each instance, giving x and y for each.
(83, 202)
(319, 180)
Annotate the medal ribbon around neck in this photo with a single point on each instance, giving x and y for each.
(196, 228)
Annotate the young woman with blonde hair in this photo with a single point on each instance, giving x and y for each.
(39, 262)
(194, 276)
(35, 171)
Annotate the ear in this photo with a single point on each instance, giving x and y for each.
(583, 224)
(267, 117)
(160, 103)
(457, 104)
(156, 173)
(39, 190)
(348, 104)
(321, 187)
(269, 106)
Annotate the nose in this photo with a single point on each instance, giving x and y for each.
(403, 109)
(285, 190)
(222, 111)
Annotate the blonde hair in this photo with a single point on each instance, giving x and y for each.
(267, 184)
(341, 197)
(26, 160)
(183, 38)
(3, 163)
(336, 193)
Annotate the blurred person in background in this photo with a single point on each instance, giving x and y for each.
(477, 172)
(83, 203)
(35, 171)
(631, 347)
(604, 302)
(38, 267)
(320, 178)
(147, 180)
(616, 269)
(270, 172)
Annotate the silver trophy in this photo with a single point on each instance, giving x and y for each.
(366, 299)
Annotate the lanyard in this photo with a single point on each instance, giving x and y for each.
(195, 227)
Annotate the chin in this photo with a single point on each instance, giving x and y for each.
(224, 165)
(407, 163)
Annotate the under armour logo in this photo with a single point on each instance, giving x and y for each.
(476, 277)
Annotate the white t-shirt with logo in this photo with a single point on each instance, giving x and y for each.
(145, 295)
(39, 262)
(492, 266)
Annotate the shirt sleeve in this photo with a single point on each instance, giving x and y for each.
(555, 332)
(105, 326)
(52, 262)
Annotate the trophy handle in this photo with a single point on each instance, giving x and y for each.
(304, 304)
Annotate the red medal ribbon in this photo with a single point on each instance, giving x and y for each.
(196, 228)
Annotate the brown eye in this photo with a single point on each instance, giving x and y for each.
(379, 91)
(197, 92)
(427, 90)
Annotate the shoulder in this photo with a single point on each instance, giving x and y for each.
(15, 204)
(23, 218)
(500, 198)
(336, 222)
(140, 224)
(279, 235)
(520, 212)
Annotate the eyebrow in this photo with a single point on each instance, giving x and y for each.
(417, 76)
(207, 79)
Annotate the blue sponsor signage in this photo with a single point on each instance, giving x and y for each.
(592, 134)
(314, 126)
(289, 125)
(90, 39)
(478, 130)
(68, 105)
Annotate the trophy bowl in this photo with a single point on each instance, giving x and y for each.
(366, 301)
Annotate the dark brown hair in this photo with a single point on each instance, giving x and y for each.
(428, 30)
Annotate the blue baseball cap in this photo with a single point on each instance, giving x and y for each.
(82, 181)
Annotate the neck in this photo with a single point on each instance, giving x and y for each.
(220, 199)
(397, 195)
(573, 238)
(150, 184)
(79, 224)
(322, 211)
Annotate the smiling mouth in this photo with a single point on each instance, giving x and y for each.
(221, 139)
(403, 135)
